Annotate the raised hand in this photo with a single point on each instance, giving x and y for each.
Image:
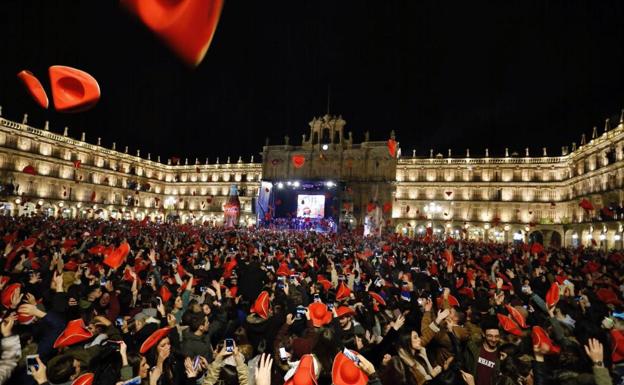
(7, 325)
(594, 350)
(263, 370)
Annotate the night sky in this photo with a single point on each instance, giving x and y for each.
(442, 74)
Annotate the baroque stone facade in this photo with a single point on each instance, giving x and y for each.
(515, 197)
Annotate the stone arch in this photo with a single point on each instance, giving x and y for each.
(555, 239)
(536, 236)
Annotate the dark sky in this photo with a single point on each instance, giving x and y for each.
(440, 73)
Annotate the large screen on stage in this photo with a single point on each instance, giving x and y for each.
(310, 206)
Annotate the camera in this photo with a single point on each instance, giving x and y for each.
(317, 298)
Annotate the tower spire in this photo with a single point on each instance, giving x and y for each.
(328, 96)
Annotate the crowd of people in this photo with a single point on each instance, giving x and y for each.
(127, 302)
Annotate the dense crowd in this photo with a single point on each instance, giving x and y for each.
(111, 302)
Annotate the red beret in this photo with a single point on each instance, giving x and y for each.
(153, 339)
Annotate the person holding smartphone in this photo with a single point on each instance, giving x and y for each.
(224, 350)
(11, 348)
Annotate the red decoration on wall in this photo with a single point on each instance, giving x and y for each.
(73, 90)
(392, 147)
(34, 88)
(387, 207)
(77, 163)
(586, 204)
(186, 26)
(298, 161)
(29, 170)
(370, 207)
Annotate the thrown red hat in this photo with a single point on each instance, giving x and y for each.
(552, 296)
(343, 311)
(343, 292)
(319, 314)
(165, 293)
(346, 372)
(516, 315)
(378, 298)
(509, 325)
(75, 332)
(153, 339)
(539, 337)
(85, 379)
(116, 258)
(7, 293)
(262, 305)
(306, 372)
(71, 265)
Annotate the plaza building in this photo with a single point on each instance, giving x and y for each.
(572, 198)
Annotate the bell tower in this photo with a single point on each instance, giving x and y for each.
(327, 130)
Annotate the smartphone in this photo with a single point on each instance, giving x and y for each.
(133, 381)
(317, 298)
(350, 355)
(196, 362)
(281, 278)
(293, 278)
(119, 321)
(31, 361)
(283, 354)
(330, 306)
(103, 281)
(229, 345)
(203, 289)
(300, 312)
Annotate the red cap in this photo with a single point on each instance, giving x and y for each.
(539, 337)
(346, 372)
(467, 291)
(517, 316)
(324, 281)
(30, 242)
(283, 270)
(378, 298)
(608, 296)
(552, 297)
(342, 311)
(306, 372)
(75, 332)
(343, 292)
(7, 293)
(69, 243)
(319, 314)
(453, 302)
(71, 265)
(509, 325)
(84, 379)
(153, 339)
(262, 305)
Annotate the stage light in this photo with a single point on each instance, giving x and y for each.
(61, 204)
(330, 184)
(296, 184)
(280, 185)
(325, 147)
(289, 183)
(40, 202)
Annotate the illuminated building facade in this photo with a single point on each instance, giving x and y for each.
(520, 196)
